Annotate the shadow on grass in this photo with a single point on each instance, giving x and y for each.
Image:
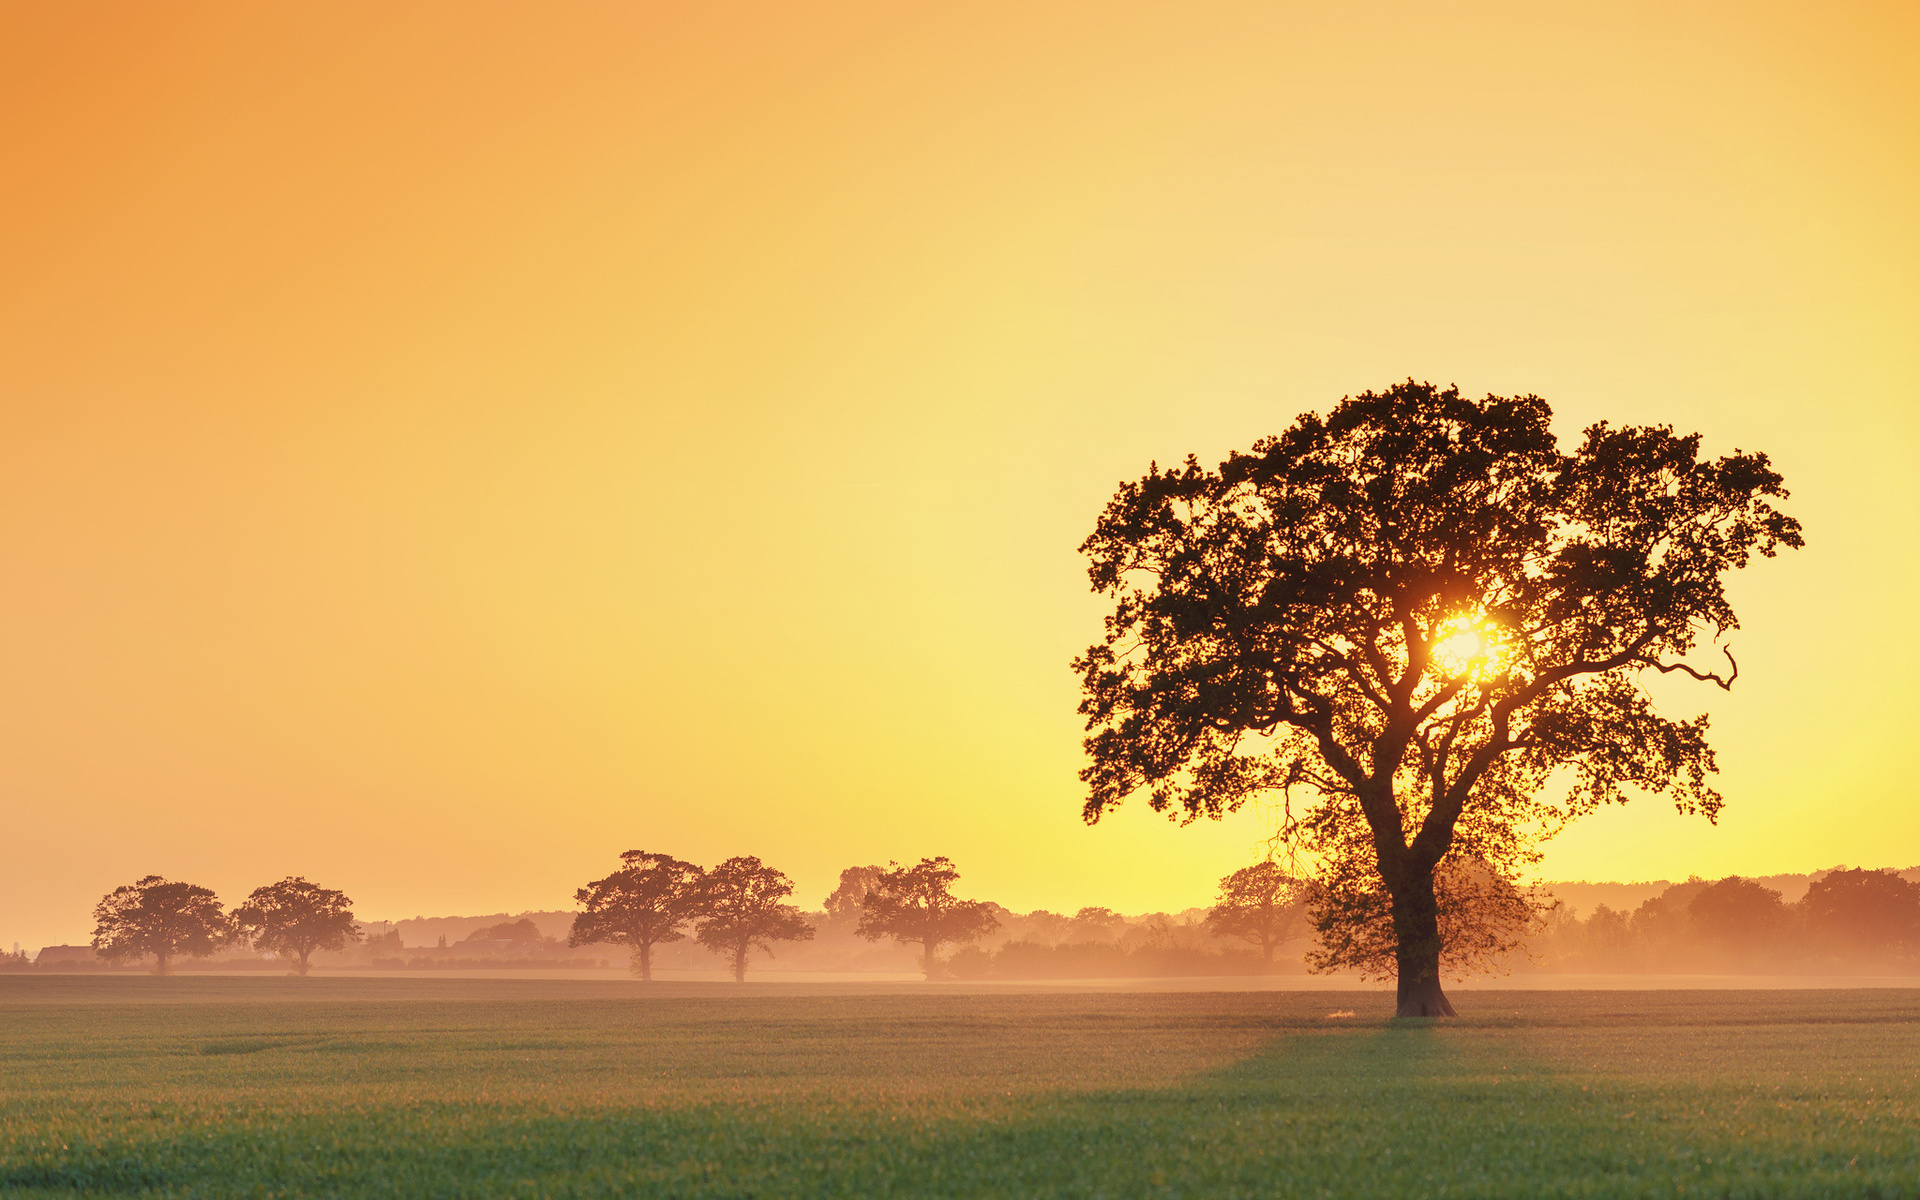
(1323, 1108)
(83, 1177)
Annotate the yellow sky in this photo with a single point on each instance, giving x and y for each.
(445, 445)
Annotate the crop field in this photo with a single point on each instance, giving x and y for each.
(216, 1087)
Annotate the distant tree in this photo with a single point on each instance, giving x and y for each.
(160, 917)
(1859, 914)
(1609, 938)
(844, 905)
(642, 905)
(523, 930)
(1096, 923)
(1663, 930)
(295, 918)
(743, 907)
(916, 905)
(1414, 614)
(1260, 904)
(1738, 916)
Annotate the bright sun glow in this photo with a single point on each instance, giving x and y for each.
(1468, 649)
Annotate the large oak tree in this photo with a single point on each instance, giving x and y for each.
(1407, 619)
(296, 918)
(163, 918)
(916, 905)
(743, 907)
(642, 905)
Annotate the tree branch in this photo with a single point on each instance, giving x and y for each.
(1726, 685)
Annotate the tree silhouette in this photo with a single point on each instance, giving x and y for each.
(1413, 613)
(1260, 904)
(1739, 917)
(641, 905)
(1092, 923)
(293, 917)
(1480, 912)
(160, 917)
(742, 906)
(916, 905)
(847, 901)
(1860, 914)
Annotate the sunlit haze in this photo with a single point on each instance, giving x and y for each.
(446, 445)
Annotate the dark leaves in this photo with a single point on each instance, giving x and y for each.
(1307, 600)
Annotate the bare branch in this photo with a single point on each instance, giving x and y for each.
(1726, 685)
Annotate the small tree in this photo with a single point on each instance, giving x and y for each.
(743, 906)
(1260, 904)
(849, 900)
(159, 917)
(295, 918)
(641, 905)
(917, 904)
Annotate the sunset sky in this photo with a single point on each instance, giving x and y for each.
(444, 445)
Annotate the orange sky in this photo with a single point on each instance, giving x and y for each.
(448, 444)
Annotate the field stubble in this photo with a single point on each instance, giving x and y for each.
(257, 1087)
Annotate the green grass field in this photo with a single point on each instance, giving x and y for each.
(334, 1087)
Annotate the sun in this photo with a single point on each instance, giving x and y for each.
(1466, 647)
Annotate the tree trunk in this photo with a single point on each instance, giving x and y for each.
(302, 968)
(926, 959)
(1416, 926)
(160, 962)
(643, 961)
(740, 965)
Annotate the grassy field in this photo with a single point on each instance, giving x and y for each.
(280, 1087)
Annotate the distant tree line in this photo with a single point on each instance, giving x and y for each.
(740, 905)
(1865, 921)
(1850, 920)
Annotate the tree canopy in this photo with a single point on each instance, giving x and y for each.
(522, 930)
(296, 918)
(1404, 620)
(159, 917)
(743, 907)
(1740, 914)
(1864, 914)
(847, 900)
(642, 905)
(1261, 904)
(916, 905)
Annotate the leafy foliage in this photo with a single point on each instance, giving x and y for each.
(916, 904)
(1414, 612)
(1482, 915)
(641, 905)
(848, 900)
(522, 930)
(1740, 913)
(1260, 904)
(296, 918)
(156, 916)
(743, 908)
(1864, 914)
